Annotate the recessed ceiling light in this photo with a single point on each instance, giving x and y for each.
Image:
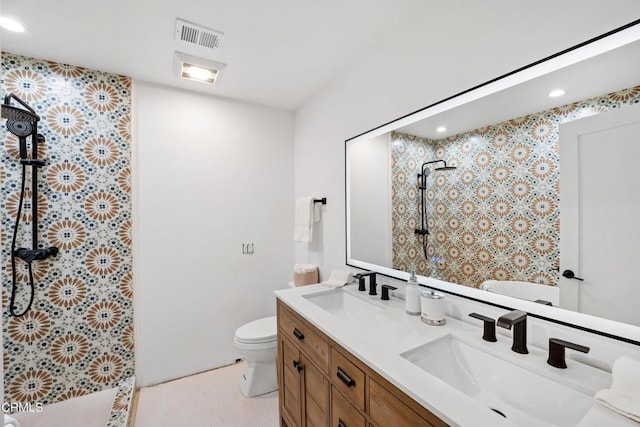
(198, 69)
(556, 93)
(11, 24)
(441, 129)
(196, 72)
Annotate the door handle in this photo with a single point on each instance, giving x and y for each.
(569, 274)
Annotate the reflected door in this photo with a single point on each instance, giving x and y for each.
(600, 215)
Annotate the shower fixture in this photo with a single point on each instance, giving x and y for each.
(24, 123)
(425, 171)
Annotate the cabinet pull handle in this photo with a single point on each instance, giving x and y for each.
(341, 423)
(298, 334)
(349, 382)
(298, 365)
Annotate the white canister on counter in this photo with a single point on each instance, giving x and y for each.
(433, 308)
(412, 296)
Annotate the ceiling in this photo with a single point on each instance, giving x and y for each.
(278, 52)
(602, 74)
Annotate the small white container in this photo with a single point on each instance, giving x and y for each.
(412, 296)
(433, 308)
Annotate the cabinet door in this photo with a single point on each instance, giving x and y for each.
(291, 404)
(316, 396)
(343, 414)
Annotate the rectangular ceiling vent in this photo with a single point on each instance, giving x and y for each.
(196, 35)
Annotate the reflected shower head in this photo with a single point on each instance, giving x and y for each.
(446, 168)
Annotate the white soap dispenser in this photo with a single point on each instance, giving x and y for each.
(412, 296)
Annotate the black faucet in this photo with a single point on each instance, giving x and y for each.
(372, 282)
(385, 291)
(556, 352)
(489, 333)
(517, 319)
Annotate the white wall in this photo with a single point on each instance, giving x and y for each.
(441, 51)
(209, 175)
(370, 200)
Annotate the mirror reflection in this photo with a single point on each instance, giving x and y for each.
(474, 195)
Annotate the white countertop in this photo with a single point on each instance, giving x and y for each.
(379, 341)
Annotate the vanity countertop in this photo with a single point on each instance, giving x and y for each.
(380, 340)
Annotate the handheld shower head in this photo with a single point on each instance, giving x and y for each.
(20, 122)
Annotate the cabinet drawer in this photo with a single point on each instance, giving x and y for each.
(312, 344)
(343, 414)
(387, 410)
(348, 378)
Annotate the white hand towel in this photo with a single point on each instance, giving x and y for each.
(10, 421)
(337, 279)
(624, 394)
(303, 227)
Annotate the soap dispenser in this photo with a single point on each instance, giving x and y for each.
(412, 295)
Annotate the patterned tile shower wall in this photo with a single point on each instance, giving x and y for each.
(78, 337)
(496, 216)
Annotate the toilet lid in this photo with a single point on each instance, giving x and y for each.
(258, 331)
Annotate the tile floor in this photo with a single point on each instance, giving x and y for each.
(209, 399)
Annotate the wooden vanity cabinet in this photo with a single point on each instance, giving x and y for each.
(321, 384)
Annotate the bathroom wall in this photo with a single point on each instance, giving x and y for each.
(78, 337)
(496, 216)
(416, 65)
(370, 192)
(210, 174)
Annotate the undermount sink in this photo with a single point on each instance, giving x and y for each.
(343, 304)
(522, 396)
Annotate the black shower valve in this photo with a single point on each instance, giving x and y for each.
(30, 255)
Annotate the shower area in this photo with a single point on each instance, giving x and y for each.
(67, 294)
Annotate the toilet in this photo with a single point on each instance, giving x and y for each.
(257, 342)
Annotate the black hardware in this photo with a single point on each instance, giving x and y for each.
(298, 365)
(341, 423)
(543, 302)
(23, 123)
(323, 200)
(385, 291)
(489, 333)
(425, 171)
(517, 319)
(556, 352)
(360, 278)
(346, 379)
(372, 282)
(298, 334)
(569, 274)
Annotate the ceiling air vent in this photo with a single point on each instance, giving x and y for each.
(196, 35)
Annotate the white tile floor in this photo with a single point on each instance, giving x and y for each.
(209, 399)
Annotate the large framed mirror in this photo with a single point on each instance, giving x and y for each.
(521, 187)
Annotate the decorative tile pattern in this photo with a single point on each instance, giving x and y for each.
(496, 216)
(121, 407)
(77, 338)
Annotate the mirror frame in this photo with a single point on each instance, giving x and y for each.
(610, 40)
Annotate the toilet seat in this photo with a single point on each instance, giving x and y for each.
(257, 332)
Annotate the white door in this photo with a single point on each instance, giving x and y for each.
(600, 214)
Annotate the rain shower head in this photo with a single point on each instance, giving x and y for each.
(18, 114)
(446, 168)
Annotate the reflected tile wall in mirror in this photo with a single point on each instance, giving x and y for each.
(496, 216)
